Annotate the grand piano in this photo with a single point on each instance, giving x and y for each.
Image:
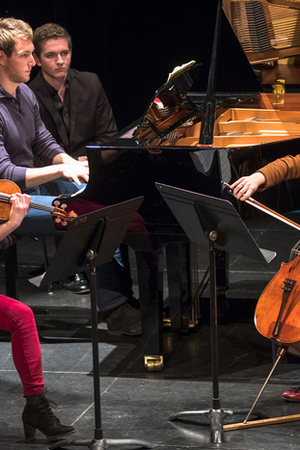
(196, 140)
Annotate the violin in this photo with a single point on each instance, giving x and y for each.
(73, 206)
(7, 188)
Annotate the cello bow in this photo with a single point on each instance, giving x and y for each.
(267, 210)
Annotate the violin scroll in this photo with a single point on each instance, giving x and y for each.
(62, 217)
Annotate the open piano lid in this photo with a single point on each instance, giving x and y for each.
(170, 106)
(173, 104)
(268, 30)
(234, 82)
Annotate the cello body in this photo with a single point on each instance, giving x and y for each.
(277, 313)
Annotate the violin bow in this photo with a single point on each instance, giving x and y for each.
(266, 209)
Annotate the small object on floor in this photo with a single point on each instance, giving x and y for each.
(38, 414)
(77, 284)
(125, 320)
(293, 395)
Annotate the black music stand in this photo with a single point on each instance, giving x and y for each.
(90, 241)
(223, 228)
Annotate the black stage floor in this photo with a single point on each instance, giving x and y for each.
(136, 403)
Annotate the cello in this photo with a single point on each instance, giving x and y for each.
(277, 315)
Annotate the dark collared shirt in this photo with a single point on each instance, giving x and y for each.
(63, 107)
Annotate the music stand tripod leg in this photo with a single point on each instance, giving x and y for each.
(215, 414)
(98, 442)
(224, 229)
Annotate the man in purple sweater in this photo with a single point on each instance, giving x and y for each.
(24, 136)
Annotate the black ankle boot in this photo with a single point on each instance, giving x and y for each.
(38, 414)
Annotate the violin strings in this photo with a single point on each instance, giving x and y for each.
(57, 211)
(41, 206)
(5, 198)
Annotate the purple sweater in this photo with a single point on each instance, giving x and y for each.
(22, 135)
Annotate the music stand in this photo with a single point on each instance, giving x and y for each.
(204, 218)
(90, 241)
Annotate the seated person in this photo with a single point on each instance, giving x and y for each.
(19, 113)
(18, 319)
(73, 104)
(281, 169)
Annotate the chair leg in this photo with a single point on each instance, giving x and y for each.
(11, 272)
(46, 261)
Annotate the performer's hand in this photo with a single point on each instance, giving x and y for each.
(244, 187)
(64, 158)
(19, 209)
(83, 161)
(73, 170)
(76, 172)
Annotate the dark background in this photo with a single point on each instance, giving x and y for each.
(133, 45)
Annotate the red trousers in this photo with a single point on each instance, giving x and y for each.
(19, 320)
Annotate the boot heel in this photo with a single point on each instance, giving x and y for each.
(30, 432)
(38, 415)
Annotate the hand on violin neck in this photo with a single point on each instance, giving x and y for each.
(19, 209)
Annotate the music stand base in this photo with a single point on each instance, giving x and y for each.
(99, 444)
(92, 241)
(216, 417)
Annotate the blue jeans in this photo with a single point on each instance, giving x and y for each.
(113, 278)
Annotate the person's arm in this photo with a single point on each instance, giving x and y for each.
(244, 187)
(19, 208)
(16, 156)
(282, 169)
(62, 166)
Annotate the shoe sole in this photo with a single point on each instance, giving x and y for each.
(86, 291)
(119, 333)
(55, 438)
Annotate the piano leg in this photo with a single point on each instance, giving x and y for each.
(178, 283)
(150, 281)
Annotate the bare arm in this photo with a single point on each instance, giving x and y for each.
(244, 187)
(63, 166)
